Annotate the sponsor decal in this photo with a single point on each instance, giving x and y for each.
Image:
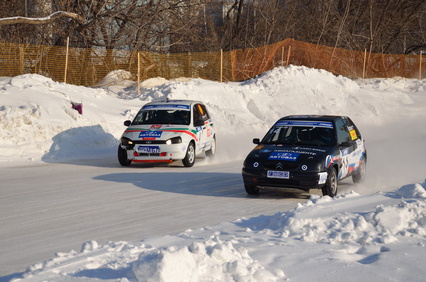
(353, 134)
(283, 156)
(345, 152)
(298, 150)
(325, 124)
(150, 134)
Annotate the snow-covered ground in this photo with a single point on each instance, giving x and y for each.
(376, 232)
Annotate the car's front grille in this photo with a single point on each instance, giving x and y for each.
(149, 142)
(274, 165)
(149, 155)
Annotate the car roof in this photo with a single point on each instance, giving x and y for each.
(173, 102)
(313, 117)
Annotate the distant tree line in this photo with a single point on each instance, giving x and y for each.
(381, 26)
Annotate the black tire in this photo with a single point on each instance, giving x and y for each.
(210, 153)
(122, 157)
(189, 159)
(330, 187)
(251, 189)
(359, 175)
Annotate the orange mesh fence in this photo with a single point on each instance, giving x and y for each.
(87, 66)
(355, 64)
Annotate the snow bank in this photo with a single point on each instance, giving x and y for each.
(245, 109)
(212, 260)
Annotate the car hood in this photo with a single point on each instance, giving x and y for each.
(156, 132)
(290, 152)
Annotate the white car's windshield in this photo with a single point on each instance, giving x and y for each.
(169, 116)
(301, 133)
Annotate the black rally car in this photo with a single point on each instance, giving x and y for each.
(306, 152)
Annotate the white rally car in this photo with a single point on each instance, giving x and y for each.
(167, 131)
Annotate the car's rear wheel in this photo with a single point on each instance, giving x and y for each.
(212, 151)
(359, 175)
(330, 187)
(251, 189)
(189, 159)
(122, 157)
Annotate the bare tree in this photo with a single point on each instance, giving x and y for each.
(210, 25)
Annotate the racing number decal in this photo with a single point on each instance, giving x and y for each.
(345, 163)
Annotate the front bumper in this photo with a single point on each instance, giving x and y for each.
(297, 180)
(156, 153)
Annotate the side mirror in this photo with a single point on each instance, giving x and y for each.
(127, 122)
(256, 141)
(345, 144)
(199, 123)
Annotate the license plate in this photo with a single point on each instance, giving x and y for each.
(149, 149)
(278, 174)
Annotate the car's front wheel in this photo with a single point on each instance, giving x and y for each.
(330, 187)
(212, 151)
(359, 175)
(189, 159)
(122, 157)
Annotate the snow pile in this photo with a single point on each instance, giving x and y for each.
(239, 109)
(411, 191)
(212, 260)
(383, 225)
(37, 114)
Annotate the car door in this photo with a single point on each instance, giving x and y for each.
(350, 146)
(202, 126)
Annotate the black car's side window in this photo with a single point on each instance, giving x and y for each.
(353, 130)
(342, 131)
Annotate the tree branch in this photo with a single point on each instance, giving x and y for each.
(48, 19)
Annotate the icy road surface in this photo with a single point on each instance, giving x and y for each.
(52, 208)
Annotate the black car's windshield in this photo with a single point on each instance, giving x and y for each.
(163, 116)
(311, 133)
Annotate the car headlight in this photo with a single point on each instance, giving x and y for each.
(174, 140)
(127, 142)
